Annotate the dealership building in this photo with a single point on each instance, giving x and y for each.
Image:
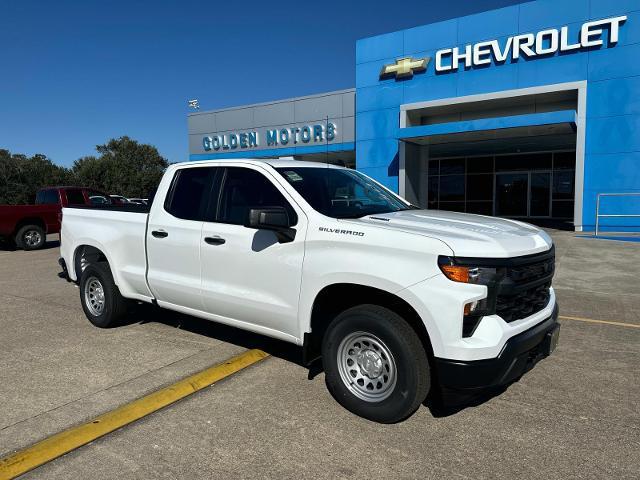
(530, 112)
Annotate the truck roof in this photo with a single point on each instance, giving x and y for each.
(274, 162)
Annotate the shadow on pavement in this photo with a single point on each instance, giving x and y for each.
(446, 403)
(441, 404)
(10, 247)
(242, 338)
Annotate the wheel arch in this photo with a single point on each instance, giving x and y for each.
(84, 255)
(23, 222)
(338, 297)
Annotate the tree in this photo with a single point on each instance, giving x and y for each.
(123, 167)
(21, 176)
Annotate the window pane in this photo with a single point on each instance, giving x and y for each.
(451, 188)
(47, 197)
(481, 208)
(341, 193)
(563, 185)
(451, 166)
(511, 194)
(245, 189)
(563, 209)
(189, 193)
(480, 165)
(564, 160)
(433, 188)
(452, 206)
(480, 187)
(75, 197)
(539, 198)
(434, 167)
(531, 161)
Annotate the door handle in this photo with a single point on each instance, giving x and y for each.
(214, 240)
(159, 233)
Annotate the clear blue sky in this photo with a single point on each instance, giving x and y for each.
(76, 73)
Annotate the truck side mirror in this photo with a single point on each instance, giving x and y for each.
(275, 219)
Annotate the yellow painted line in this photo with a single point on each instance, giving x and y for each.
(605, 322)
(57, 445)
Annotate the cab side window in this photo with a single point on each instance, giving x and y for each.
(190, 192)
(244, 189)
(47, 197)
(75, 197)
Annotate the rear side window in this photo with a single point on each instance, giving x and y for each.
(190, 192)
(245, 189)
(75, 197)
(47, 197)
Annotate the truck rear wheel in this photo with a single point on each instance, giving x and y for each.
(100, 298)
(375, 364)
(31, 237)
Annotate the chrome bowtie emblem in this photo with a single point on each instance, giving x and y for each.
(404, 67)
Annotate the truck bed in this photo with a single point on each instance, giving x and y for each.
(117, 230)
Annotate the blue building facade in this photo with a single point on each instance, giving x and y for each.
(536, 133)
(530, 111)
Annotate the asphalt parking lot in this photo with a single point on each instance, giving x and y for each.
(575, 415)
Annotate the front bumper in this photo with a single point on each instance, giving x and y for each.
(519, 354)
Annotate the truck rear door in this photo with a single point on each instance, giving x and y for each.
(174, 238)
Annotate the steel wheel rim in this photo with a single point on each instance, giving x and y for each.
(94, 296)
(32, 238)
(367, 367)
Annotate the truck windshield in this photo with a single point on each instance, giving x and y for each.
(341, 193)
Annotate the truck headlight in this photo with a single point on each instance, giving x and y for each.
(476, 275)
(466, 273)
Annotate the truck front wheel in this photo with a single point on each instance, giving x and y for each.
(375, 364)
(31, 237)
(100, 298)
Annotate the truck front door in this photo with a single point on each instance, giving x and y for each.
(247, 275)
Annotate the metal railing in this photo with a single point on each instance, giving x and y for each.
(599, 215)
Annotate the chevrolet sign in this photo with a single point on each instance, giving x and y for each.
(544, 43)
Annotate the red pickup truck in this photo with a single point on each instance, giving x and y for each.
(28, 225)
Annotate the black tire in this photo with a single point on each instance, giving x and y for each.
(31, 237)
(113, 305)
(412, 376)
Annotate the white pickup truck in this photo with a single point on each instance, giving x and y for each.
(394, 300)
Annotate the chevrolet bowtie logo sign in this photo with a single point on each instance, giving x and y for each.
(404, 67)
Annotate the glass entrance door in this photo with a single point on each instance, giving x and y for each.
(523, 194)
(540, 194)
(512, 192)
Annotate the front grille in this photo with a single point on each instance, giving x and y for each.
(524, 288)
(524, 303)
(528, 273)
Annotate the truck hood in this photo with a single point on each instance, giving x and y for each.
(467, 235)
